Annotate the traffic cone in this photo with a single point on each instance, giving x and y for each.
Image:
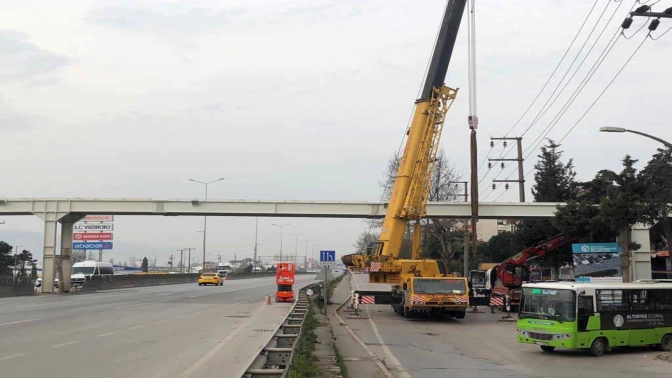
(268, 299)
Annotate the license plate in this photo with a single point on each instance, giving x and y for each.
(541, 343)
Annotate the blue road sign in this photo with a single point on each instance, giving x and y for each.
(596, 248)
(91, 245)
(327, 256)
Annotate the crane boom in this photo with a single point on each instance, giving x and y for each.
(414, 176)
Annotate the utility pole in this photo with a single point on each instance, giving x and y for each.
(473, 124)
(466, 189)
(296, 245)
(181, 254)
(189, 258)
(521, 179)
(170, 262)
(256, 232)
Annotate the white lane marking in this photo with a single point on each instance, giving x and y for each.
(12, 356)
(133, 305)
(19, 321)
(160, 321)
(136, 327)
(161, 294)
(65, 344)
(106, 334)
(181, 317)
(193, 368)
(386, 349)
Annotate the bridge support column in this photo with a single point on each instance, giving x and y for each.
(641, 258)
(49, 251)
(66, 250)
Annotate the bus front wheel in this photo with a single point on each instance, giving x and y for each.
(666, 343)
(598, 347)
(547, 348)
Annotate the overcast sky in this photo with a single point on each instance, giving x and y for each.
(287, 100)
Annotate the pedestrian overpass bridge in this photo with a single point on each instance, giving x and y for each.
(67, 211)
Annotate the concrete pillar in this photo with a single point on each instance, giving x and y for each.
(49, 251)
(641, 258)
(51, 212)
(66, 250)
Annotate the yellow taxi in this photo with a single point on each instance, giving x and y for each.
(210, 279)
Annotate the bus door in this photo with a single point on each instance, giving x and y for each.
(585, 311)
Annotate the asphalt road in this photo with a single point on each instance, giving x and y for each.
(481, 346)
(162, 331)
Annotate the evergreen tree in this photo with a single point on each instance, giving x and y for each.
(656, 179)
(623, 207)
(23, 258)
(554, 180)
(145, 265)
(6, 259)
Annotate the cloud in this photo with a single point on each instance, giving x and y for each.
(21, 60)
(177, 18)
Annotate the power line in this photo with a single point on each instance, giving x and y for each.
(543, 111)
(545, 84)
(556, 67)
(607, 87)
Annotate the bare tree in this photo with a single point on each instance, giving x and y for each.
(92, 255)
(77, 256)
(444, 188)
(365, 238)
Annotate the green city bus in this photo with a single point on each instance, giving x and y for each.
(596, 316)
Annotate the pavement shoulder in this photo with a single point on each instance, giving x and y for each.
(357, 361)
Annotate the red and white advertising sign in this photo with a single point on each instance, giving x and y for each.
(93, 236)
(98, 218)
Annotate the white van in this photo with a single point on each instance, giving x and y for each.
(88, 269)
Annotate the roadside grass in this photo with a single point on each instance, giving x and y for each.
(341, 363)
(304, 361)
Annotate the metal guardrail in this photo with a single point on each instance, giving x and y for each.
(275, 360)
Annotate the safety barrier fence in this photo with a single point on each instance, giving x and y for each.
(12, 286)
(276, 359)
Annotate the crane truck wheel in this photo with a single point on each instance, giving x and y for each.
(459, 315)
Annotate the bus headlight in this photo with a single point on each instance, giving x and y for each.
(562, 336)
(522, 332)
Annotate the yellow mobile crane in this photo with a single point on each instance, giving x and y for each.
(417, 284)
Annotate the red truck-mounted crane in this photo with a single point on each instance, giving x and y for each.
(508, 277)
(285, 274)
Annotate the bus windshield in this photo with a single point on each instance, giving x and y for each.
(82, 270)
(438, 286)
(554, 304)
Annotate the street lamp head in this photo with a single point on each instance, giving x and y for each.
(609, 129)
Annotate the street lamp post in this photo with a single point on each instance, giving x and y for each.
(281, 227)
(306, 256)
(608, 129)
(296, 245)
(205, 218)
